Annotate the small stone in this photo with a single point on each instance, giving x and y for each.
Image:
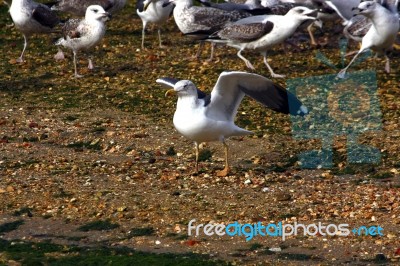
(278, 249)
(265, 189)
(281, 196)
(158, 242)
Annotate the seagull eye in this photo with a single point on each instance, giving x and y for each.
(95, 10)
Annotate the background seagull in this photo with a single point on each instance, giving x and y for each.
(79, 7)
(382, 34)
(249, 34)
(198, 22)
(204, 118)
(30, 18)
(153, 11)
(86, 33)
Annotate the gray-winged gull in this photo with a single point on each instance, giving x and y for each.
(260, 39)
(205, 118)
(202, 21)
(30, 18)
(382, 34)
(153, 11)
(82, 34)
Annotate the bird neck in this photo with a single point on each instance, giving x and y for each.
(184, 4)
(186, 102)
(379, 13)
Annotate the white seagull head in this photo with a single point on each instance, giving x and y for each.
(366, 8)
(96, 12)
(303, 13)
(183, 88)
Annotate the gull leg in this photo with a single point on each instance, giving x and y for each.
(196, 147)
(199, 51)
(159, 39)
(212, 52)
(143, 33)
(387, 64)
(20, 59)
(311, 34)
(342, 72)
(226, 170)
(247, 62)
(76, 71)
(273, 74)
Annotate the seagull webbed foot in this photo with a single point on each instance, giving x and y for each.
(19, 60)
(223, 172)
(342, 74)
(90, 64)
(274, 75)
(59, 55)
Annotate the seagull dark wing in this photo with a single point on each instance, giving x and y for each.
(71, 29)
(231, 87)
(45, 16)
(245, 32)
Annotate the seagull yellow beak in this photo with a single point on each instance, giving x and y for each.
(170, 92)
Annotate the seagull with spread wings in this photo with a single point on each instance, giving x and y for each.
(205, 118)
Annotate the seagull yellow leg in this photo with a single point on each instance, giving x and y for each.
(196, 147)
(226, 170)
(311, 34)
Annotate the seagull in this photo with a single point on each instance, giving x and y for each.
(344, 8)
(253, 7)
(199, 22)
(82, 34)
(30, 18)
(79, 7)
(205, 118)
(153, 11)
(382, 34)
(260, 33)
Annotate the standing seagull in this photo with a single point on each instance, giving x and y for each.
(31, 18)
(202, 21)
(79, 7)
(86, 33)
(260, 33)
(382, 34)
(153, 11)
(204, 118)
